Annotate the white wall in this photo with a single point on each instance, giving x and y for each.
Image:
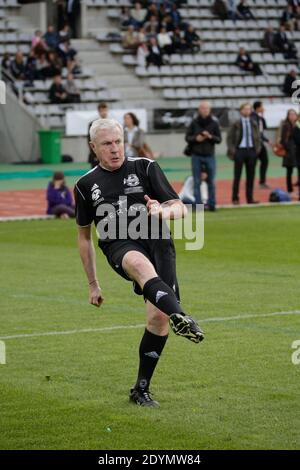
(18, 132)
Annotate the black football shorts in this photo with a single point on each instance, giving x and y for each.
(161, 253)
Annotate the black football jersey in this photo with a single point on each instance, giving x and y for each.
(114, 198)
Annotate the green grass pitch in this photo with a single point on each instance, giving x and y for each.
(236, 390)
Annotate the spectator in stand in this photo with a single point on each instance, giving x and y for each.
(192, 39)
(165, 42)
(64, 34)
(55, 64)
(68, 56)
(233, 13)
(141, 54)
(72, 90)
(42, 67)
(284, 45)
(288, 19)
(269, 40)
(17, 66)
(219, 9)
(126, 18)
(57, 92)
(138, 14)
(155, 54)
(6, 61)
(179, 43)
(297, 19)
(31, 68)
(59, 198)
(151, 26)
(168, 24)
(294, 4)
(130, 40)
(244, 11)
(38, 43)
(288, 89)
(51, 37)
(244, 62)
(289, 161)
(175, 16)
(152, 10)
(141, 35)
(162, 13)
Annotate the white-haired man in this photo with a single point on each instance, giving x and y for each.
(111, 195)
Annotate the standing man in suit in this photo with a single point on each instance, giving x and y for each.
(244, 144)
(73, 14)
(257, 116)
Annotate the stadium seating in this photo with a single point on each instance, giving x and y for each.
(185, 78)
(213, 65)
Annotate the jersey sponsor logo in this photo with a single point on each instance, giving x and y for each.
(131, 180)
(160, 294)
(137, 189)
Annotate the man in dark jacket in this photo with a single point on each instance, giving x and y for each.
(103, 114)
(244, 144)
(244, 62)
(257, 116)
(57, 92)
(284, 45)
(290, 78)
(73, 13)
(202, 135)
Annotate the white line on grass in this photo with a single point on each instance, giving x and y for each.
(127, 327)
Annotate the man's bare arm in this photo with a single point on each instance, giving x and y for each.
(88, 258)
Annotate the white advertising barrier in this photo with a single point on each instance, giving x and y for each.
(77, 122)
(275, 113)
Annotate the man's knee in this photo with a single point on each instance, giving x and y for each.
(138, 267)
(157, 319)
(135, 262)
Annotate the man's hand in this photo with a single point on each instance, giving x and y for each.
(207, 134)
(95, 296)
(153, 206)
(200, 138)
(173, 209)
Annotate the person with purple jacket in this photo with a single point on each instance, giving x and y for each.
(60, 202)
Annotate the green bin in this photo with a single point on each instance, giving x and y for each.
(50, 145)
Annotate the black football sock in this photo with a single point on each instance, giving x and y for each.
(162, 296)
(150, 350)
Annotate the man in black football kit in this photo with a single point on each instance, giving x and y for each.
(111, 195)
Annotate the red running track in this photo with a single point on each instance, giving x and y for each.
(32, 202)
